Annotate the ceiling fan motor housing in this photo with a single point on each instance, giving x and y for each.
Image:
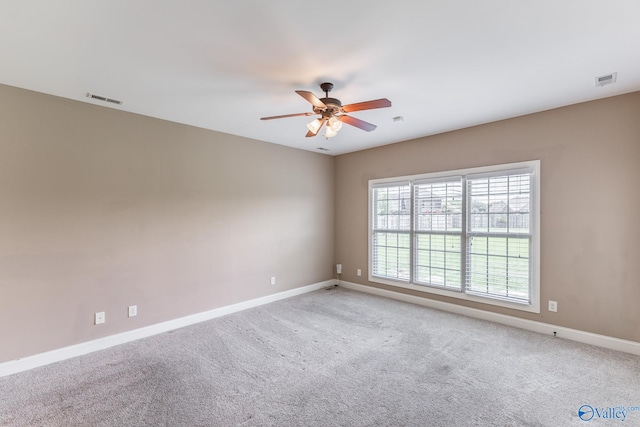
(334, 106)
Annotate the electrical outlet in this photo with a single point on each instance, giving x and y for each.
(359, 272)
(133, 310)
(99, 318)
(273, 280)
(339, 268)
(553, 306)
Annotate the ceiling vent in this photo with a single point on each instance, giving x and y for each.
(606, 80)
(103, 98)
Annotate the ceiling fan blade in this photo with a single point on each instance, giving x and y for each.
(357, 123)
(367, 105)
(287, 115)
(311, 98)
(310, 133)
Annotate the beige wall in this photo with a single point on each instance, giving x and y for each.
(102, 209)
(590, 200)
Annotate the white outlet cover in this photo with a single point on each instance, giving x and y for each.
(100, 318)
(133, 310)
(273, 280)
(359, 272)
(553, 306)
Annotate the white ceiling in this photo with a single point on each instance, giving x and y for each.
(222, 65)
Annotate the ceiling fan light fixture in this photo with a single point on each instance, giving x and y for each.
(335, 124)
(314, 126)
(330, 133)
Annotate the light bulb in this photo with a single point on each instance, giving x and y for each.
(314, 126)
(335, 124)
(330, 132)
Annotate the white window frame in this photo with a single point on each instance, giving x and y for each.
(534, 304)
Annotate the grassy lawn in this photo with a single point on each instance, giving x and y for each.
(490, 260)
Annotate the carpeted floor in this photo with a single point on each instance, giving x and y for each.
(332, 358)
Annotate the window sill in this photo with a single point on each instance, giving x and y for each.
(534, 307)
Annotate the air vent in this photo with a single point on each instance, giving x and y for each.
(322, 149)
(103, 98)
(606, 80)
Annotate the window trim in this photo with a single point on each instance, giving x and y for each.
(534, 166)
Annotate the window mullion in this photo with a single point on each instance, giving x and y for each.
(412, 246)
(507, 250)
(463, 237)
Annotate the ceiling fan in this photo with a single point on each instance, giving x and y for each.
(333, 113)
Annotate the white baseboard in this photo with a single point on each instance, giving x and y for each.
(30, 362)
(618, 344)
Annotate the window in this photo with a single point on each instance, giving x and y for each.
(392, 232)
(472, 234)
(438, 232)
(499, 235)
